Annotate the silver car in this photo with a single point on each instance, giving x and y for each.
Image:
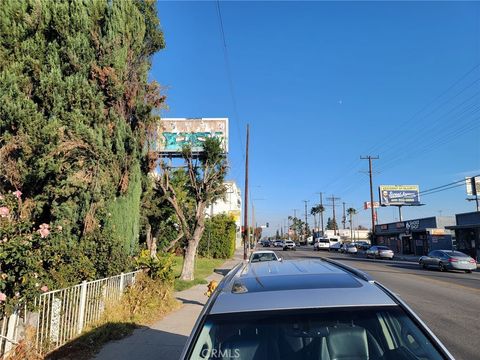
(448, 260)
(381, 252)
(307, 309)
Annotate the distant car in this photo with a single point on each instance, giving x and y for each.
(362, 245)
(265, 243)
(263, 255)
(335, 247)
(289, 245)
(349, 249)
(381, 252)
(278, 243)
(448, 260)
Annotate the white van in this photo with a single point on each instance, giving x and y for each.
(324, 243)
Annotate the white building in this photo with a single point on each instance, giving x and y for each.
(346, 234)
(231, 204)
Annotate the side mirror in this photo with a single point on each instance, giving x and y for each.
(280, 259)
(248, 260)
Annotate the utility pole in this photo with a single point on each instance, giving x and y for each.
(344, 219)
(306, 221)
(332, 199)
(246, 230)
(294, 225)
(372, 207)
(321, 213)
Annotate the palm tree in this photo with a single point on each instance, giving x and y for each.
(321, 210)
(314, 212)
(351, 212)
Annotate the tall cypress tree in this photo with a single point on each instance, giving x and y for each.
(75, 105)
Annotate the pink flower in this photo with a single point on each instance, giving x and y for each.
(18, 194)
(4, 211)
(44, 288)
(44, 230)
(3, 297)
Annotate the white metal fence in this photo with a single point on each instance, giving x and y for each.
(61, 315)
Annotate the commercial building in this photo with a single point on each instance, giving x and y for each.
(418, 236)
(231, 205)
(467, 233)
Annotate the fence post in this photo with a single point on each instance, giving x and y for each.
(81, 309)
(122, 283)
(11, 324)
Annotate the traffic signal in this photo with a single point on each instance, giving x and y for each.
(267, 224)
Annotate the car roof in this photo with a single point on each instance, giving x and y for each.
(296, 284)
(263, 252)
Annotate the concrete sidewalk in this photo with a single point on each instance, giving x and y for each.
(165, 339)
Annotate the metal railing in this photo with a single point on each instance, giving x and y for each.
(61, 315)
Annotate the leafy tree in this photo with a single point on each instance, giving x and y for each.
(203, 182)
(75, 105)
(331, 224)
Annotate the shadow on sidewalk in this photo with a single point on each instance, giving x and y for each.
(193, 302)
(90, 343)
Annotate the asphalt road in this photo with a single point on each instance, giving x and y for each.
(448, 302)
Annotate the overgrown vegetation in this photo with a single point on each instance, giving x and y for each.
(75, 111)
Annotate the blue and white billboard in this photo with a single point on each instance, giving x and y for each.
(399, 195)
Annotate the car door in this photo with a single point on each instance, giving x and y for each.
(430, 258)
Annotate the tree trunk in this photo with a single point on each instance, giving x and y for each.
(189, 261)
(190, 253)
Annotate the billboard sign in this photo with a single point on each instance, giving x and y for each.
(174, 133)
(399, 195)
(473, 185)
(366, 205)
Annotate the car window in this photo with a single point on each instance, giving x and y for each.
(433, 253)
(358, 333)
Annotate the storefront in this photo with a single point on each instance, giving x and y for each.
(416, 237)
(467, 234)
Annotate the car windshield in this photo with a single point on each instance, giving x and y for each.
(382, 248)
(353, 333)
(263, 257)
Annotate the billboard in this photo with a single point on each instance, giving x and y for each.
(174, 133)
(399, 195)
(473, 185)
(366, 205)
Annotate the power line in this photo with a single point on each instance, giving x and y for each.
(229, 76)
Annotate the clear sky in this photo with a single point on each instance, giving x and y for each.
(323, 83)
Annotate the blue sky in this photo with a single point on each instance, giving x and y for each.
(323, 83)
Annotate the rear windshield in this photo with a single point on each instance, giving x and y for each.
(456, 253)
(382, 248)
(354, 333)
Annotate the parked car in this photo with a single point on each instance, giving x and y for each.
(278, 243)
(289, 245)
(335, 247)
(307, 309)
(448, 260)
(263, 255)
(348, 249)
(381, 252)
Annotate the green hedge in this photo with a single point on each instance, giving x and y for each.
(218, 240)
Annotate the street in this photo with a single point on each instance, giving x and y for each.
(448, 302)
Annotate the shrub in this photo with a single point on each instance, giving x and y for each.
(218, 240)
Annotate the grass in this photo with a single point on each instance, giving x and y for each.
(203, 268)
